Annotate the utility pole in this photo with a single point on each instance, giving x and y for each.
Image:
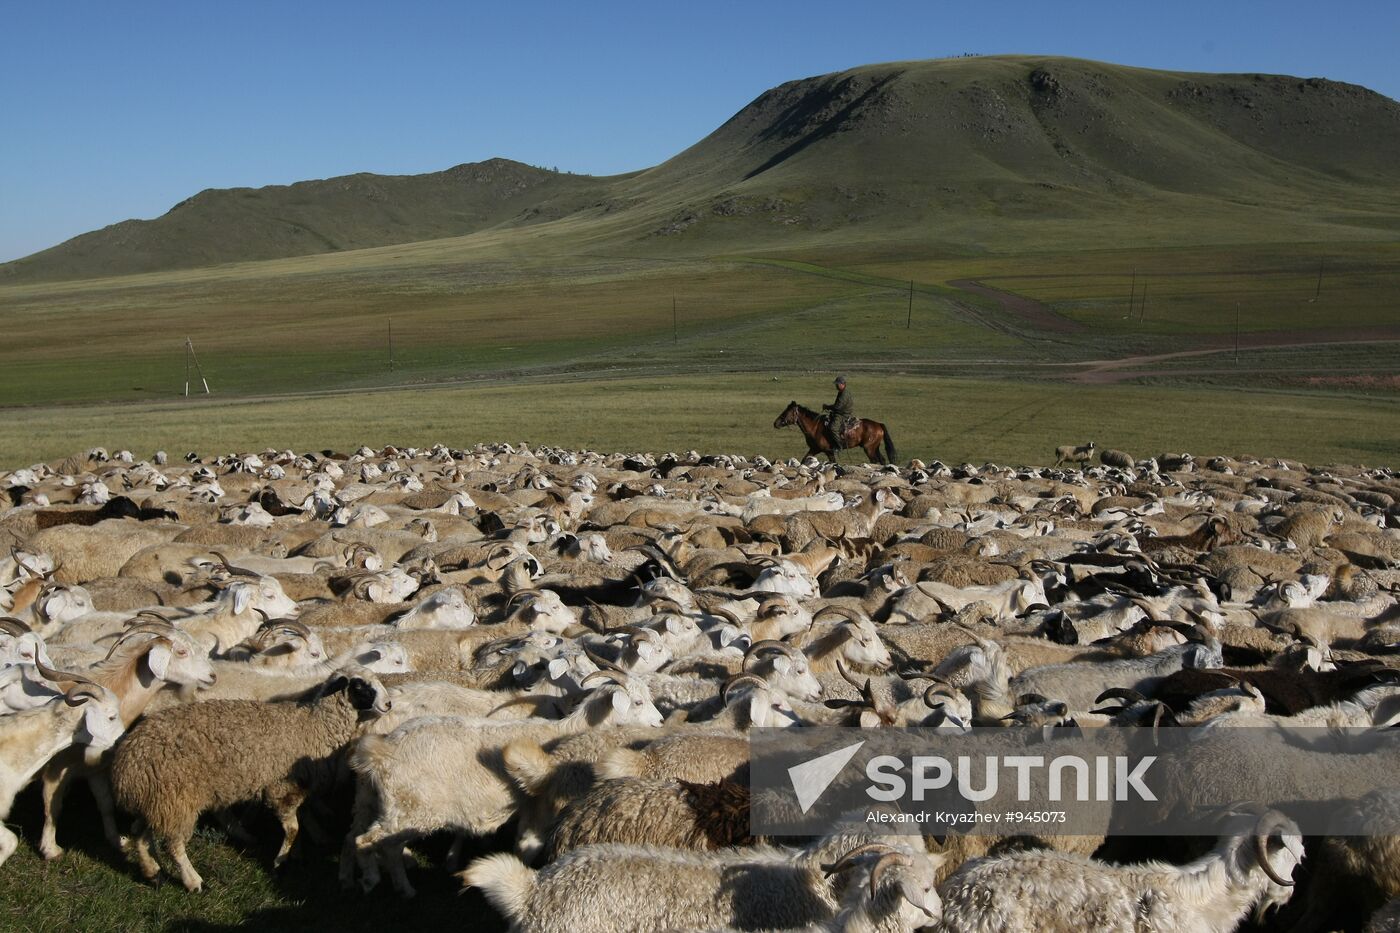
(391, 344)
(1236, 334)
(675, 323)
(1143, 313)
(190, 357)
(1320, 264)
(1132, 296)
(909, 321)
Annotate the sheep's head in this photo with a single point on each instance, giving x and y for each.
(364, 691)
(763, 705)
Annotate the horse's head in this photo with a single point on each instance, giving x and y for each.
(789, 416)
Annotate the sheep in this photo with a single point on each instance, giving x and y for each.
(1114, 458)
(679, 814)
(181, 762)
(748, 888)
(1069, 453)
(396, 772)
(1025, 892)
(85, 714)
(144, 660)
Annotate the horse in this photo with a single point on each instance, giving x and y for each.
(866, 435)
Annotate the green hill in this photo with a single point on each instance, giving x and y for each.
(958, 156)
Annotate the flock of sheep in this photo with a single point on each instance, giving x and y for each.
(576, 645)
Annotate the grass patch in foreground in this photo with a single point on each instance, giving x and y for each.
(951, 419)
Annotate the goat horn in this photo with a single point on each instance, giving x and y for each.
(1267, 826)
(944, 690)
(49, 673)
(611, 676)
(885, 863)
(848, 677)
(768, 644)
(1120, 693)
(851, 857)
(843, 611)
(12, 626)
(602, 662)
(728, 615)
(81, 692)
(738, 679)
(152, 614)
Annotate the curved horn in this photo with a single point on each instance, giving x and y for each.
(12, 626)
(885, 863)
(82, 692)
(944, 690)
(611, 676)
(603, 663)
(152, 614)
(850, 678)
(49, 673)
(1265, 831)
(843, 611)
(729, 616)
(770, 644)
(738, 679)
(851, 857)
(1120, 693)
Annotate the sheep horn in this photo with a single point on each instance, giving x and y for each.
(141, 628)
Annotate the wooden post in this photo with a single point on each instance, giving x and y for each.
(909, 321)
(1132, 296)
(1320, 264)
(1237, 333)
(1143, 313)
(391, 344)
(187, 367)
(675, 322)
(189, 348)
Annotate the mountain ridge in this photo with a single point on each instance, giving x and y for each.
(896, 153)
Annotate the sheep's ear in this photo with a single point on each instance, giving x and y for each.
(673, 625)
(621, 701)
(645, 650)
(557, 667)
(242, 596)
(869, 719)
(337, 685)
(372, 655)
(158, 660)
(782, 665)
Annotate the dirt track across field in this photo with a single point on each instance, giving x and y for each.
(1029, 310)
(1100, 372)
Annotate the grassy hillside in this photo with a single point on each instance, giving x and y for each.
(961, 156)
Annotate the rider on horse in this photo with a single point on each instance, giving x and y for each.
(842, 413)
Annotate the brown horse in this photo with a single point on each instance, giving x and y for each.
(866, 435)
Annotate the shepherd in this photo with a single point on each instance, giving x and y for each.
(840, 429)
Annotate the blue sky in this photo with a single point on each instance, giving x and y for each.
(117, 110)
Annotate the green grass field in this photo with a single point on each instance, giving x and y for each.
(954, 420)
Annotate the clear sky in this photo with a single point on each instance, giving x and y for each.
(112, 110)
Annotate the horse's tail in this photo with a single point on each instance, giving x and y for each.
(889, 447)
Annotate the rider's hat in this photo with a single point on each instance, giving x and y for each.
(839, 380)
